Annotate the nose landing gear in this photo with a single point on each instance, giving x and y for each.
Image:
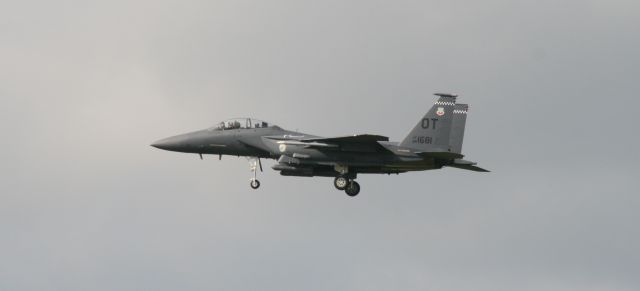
(253, 166)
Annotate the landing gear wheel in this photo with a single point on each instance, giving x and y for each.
(340, 182)
(255, 184)
(352, 189)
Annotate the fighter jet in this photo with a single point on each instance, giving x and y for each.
(433, 143)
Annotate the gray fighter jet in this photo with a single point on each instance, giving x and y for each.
(435, 142)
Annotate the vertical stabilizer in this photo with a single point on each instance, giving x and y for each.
(432, 133)
(457, 127)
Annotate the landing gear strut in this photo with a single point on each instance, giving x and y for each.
(253, 166)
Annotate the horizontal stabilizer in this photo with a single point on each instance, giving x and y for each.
(470, 167)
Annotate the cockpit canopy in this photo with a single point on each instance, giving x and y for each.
(241, 123)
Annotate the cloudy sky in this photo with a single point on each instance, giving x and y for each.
(87, 204)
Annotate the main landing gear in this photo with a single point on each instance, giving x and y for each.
(351, 187)
(253, 166)
(345, 181)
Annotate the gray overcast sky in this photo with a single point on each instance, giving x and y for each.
(86, 204)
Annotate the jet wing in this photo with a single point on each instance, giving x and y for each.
(364, 138)
(351, 143)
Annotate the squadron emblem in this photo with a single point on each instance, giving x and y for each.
(440, 111)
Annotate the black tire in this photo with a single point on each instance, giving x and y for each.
(352, 189)
(255, 184)
(340, 182)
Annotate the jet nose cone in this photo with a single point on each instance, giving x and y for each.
(186, 143)
(169, 144)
